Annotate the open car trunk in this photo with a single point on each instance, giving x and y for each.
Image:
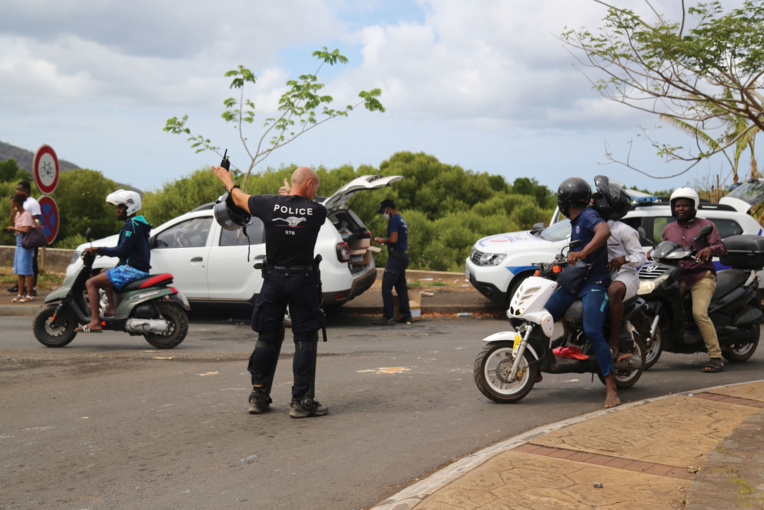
(349, 225)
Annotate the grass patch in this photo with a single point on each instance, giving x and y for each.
(45, 279)
(418, 284)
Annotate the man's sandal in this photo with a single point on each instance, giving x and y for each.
(713, 367)
(86, 329)
(17, 299)
(26, 299)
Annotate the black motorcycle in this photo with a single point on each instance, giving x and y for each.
(735, 308)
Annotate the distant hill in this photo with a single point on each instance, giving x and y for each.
(24, 158)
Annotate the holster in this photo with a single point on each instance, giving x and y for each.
(316, 263)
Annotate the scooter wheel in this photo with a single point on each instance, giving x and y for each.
(743, 347)
(641, 323)
(60, 334)
(626, 378)
(177, 330)
(491, 371)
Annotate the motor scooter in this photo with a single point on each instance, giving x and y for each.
(508, 367)
(735, 308)
(148, 307)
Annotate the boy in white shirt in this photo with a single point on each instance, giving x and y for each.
(625, 255)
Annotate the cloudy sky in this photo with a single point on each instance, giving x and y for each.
(484, 84)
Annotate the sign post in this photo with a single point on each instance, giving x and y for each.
(50, 218)
(46, 169)
(46, 174)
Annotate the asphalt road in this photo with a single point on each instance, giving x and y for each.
(109, 422)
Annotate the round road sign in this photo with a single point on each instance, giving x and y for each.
(46, 169)
(50, 218)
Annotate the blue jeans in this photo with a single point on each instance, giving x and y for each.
(594, 298)
(395, 276)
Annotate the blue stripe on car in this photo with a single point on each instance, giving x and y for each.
(519, 269)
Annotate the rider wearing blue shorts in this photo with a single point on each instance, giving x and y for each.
(132, 249)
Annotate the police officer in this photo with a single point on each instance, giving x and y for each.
(292, 221)
(397, 262)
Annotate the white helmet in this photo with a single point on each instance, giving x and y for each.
(688, 193)
(131, 199)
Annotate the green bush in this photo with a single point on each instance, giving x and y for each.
(81, 199)
(71, 242)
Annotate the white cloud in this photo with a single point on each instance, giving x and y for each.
(99, 77)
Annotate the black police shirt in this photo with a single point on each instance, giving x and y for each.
(291, 227)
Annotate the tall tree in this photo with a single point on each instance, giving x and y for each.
(301, 108)
(701, 76)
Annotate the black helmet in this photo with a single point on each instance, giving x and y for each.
(573, 192)
(229, 215)
(610, 200)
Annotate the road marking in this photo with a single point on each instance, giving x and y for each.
(386, 370)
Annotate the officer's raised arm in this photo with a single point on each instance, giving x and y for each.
(240, 199)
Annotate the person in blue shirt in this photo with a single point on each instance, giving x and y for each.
(573, 198)
(132, 250)
(397, 262)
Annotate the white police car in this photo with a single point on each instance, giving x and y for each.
(497, 264)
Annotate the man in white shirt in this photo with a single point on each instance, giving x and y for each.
(625, 257)
(30, 204)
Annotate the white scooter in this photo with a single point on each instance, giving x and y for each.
(509, 365)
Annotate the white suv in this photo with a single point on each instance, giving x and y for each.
(211, 264)
(497, 264)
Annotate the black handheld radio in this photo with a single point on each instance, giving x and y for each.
(225, 163)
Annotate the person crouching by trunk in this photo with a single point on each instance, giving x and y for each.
(397, 262)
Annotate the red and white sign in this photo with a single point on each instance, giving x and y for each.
(46, 169)
(49, 218)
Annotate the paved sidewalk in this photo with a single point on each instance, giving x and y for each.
(697, 450)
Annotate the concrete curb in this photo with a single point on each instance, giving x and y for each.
(20, 310)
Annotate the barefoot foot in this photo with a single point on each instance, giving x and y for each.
(612, 400)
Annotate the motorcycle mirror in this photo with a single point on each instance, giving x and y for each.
(705, 231)
(575, 244)
(643, 236)
(87, 235)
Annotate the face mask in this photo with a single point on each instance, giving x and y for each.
(386, 215)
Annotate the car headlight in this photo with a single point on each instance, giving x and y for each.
(487, 259)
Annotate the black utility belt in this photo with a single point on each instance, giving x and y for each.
(393, 252)
(293, 268)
